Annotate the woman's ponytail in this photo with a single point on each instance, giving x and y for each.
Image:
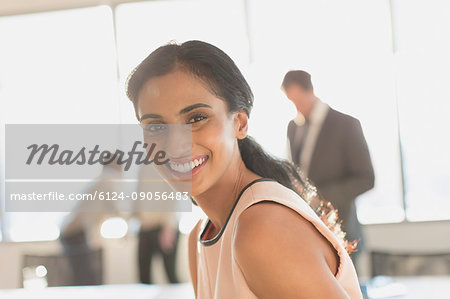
(287, 174)
(263, 164)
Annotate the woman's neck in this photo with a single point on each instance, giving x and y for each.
(218, 201)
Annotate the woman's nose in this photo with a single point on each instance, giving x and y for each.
(178, 141)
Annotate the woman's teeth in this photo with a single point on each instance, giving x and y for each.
(186, 167)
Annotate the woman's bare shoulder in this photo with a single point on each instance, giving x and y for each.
(281, 254)
(275, 223)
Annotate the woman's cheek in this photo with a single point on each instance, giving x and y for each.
(216, 137)
(223, 138)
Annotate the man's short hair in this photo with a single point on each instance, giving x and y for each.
(300, 78)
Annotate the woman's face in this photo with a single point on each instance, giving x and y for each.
(181, 98)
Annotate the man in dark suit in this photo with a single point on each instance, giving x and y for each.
(330, 149)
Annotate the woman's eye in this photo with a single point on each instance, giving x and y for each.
(197, 118)
(155, 128)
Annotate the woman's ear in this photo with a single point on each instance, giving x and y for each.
(241, 124)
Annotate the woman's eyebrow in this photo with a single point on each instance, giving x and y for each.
(192, 107)
(182, 111)
(145, 116)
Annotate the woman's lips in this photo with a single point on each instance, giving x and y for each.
(187, 168)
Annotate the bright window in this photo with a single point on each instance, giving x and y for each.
(422, 30)
(56, 67)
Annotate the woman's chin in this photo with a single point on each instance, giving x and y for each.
(196, 191)
(198, 188)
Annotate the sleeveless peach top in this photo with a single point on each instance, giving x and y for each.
(218, 274)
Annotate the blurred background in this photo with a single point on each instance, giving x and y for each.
(386, 63)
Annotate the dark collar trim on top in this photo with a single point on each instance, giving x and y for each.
(217, 237)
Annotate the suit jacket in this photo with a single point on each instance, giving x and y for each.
(340, 166)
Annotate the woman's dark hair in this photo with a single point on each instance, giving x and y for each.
(224, 79)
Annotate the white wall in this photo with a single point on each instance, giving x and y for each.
(414, 237)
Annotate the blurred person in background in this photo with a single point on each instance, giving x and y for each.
(330, 149)
(80, 230)
(158, 235)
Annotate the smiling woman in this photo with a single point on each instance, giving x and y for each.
(261, 238)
